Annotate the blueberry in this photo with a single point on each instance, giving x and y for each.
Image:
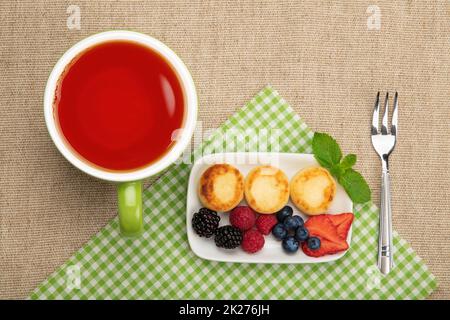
(301, 234)
(279, 231)
(284, 213)
(292, 223)
(290, 244)
(300, 220)
(313, 243)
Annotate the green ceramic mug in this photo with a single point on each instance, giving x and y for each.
(129, 183)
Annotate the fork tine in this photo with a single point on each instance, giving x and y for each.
(395, 116)
(384, 121)
(375, 117)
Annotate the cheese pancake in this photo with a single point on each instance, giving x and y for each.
(266, 189)
(313, 190)
(221, 187)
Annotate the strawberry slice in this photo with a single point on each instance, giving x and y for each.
(331, 241)
(342, 222)
(326, 247)
(322, 226)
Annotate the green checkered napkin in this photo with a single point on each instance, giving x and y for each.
(160, 264)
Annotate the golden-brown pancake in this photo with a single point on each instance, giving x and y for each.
(221, 187)
(266, 189)
(312, 190)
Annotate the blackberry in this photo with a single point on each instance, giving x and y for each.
(228, 237)
(205, 222)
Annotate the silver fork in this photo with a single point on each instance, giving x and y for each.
(384, 143)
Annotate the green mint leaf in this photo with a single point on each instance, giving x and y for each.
(356, 187)
(348, 161)
(326, 150)
(328, 153)
(337, 171)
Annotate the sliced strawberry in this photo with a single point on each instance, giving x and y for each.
(343, 222)
(326, 247)
(337, 219)
(331, 241)
(322, 226)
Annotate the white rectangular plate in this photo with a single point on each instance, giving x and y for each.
(272, 252)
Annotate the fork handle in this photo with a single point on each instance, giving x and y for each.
(385, 248)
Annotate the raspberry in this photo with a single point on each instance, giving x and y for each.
(265, 223)
(253, 241)
(243, 218)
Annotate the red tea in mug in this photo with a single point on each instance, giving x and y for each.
(118, 104)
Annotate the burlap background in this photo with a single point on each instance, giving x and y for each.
(320, 56)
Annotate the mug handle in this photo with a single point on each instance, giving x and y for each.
(130, 208)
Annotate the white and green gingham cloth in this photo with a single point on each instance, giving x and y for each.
(160, 264)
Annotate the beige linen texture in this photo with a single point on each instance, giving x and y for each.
(319, 55)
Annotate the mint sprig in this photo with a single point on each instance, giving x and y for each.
(329, 155)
